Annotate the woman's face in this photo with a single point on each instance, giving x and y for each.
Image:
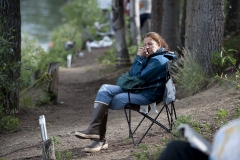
(150, 45)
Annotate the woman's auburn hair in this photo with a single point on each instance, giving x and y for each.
(157, 38)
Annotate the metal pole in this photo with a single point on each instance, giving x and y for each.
(42, 123)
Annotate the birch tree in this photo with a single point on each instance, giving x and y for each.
(135, 22)
(123, 59)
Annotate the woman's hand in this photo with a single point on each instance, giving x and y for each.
(143, 52)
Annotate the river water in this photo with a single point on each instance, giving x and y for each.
(40, 17)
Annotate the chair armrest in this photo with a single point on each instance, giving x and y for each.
(143, 88)
(135, 89)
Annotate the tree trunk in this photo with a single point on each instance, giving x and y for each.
(157, 16)
(135, 22)
(123, 59)
(204, 30)
(11, 31)
(170, 24)
(182, 34)
(53, 70)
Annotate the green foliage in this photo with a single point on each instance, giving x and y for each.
(77, 27)
(132, 50)
(8, 73)
(188, 120)
(233, 80)
(203, 129)
(58, 154)
(224, 60)
(148, 153)
(62, 34)
(37, 93)
(34, 77)
(9, 82)
(183, 119)
(237, 109)
(188, 75)
(8, 122)
(109, 57)
(33, 58)
(68, 155)
(232, 44)
(55, 140)
(222, 115)
(44, 101)
(26, 101)
(82, 13)
(229, 57)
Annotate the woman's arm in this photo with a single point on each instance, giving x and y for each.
(138, 65)
(156, 68)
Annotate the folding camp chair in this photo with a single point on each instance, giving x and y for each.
(168, 106)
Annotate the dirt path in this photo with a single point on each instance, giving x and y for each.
(77, 89)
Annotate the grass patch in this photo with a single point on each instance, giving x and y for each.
(189, 75)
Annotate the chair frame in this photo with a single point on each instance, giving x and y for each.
(170, 110)
(169, 107)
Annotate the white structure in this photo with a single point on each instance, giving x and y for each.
(69, 60)
(104, 4)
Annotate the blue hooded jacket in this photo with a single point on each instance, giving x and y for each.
(154, 70)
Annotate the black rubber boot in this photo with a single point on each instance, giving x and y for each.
(103, 127)
(93, 131)
(101, 143)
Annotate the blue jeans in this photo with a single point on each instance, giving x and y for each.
(116, 98)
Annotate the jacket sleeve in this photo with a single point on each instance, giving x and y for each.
(137, 66)
(156, 68)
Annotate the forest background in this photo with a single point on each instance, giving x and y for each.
(187, 26)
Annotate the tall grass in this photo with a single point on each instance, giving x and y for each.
(189, 75)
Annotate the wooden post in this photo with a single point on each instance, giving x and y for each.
(53, 86)
(48, 151)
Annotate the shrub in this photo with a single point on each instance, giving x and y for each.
(61, 35)
(188, 75)
(33, 58)
(8, 122)
(233, 43)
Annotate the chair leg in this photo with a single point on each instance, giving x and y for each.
(173, 112)
(170, 115)
(139, 124)
(128, 117)
(173, 109)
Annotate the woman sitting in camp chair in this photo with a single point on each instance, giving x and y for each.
(149, 66)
